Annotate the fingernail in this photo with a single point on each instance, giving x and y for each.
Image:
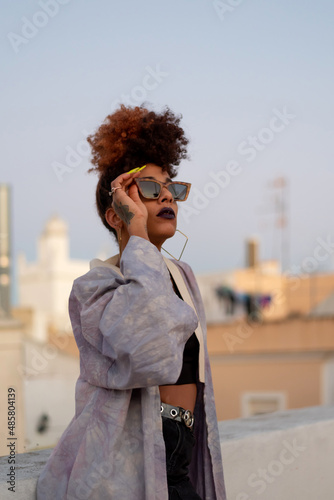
(134, 170)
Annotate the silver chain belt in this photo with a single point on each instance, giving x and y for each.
(177, 413)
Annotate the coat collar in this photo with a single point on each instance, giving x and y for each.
(111, 263)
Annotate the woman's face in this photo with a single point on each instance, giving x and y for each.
(161, 224)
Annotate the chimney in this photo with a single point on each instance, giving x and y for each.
(252, 252)
(5, 306)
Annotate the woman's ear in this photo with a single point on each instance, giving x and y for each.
(113, 219)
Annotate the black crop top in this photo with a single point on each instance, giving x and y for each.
(188, 373)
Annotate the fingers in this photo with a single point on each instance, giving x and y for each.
(133, 193)
(125, 188)
(124, 180)
(125, 199)
(128, 206)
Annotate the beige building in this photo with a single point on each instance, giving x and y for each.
(281, 358)
(272, 366)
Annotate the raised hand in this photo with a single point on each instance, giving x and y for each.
(128, 205)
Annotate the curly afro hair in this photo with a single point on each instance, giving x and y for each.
(132, 137)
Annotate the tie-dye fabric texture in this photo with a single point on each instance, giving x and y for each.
(130, 332)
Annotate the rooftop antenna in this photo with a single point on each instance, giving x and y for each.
(277, 212)
(280, 185)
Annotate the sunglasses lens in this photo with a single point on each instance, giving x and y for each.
(179, 191)
(149, 189)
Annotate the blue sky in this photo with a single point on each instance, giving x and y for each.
(228, 75)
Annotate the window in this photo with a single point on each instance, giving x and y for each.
(259, 403)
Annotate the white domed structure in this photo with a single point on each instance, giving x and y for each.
(53, 246)
(55, 226)
(45, 285)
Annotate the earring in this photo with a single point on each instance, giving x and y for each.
(184, 246)
(119, 238)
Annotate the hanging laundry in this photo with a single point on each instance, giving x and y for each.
(265, 301)
(228, 296)
(252, 303)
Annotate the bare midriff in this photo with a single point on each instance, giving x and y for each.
(179, 395)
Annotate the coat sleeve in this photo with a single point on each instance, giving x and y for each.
(130, 331)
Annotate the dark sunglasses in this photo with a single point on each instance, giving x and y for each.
(151, 189)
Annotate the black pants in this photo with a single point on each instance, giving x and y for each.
(179, 442)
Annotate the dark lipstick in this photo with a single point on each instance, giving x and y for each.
(166, 213)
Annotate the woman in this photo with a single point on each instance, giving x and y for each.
(145, 424)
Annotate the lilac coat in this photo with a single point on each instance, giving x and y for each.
(130, 331)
